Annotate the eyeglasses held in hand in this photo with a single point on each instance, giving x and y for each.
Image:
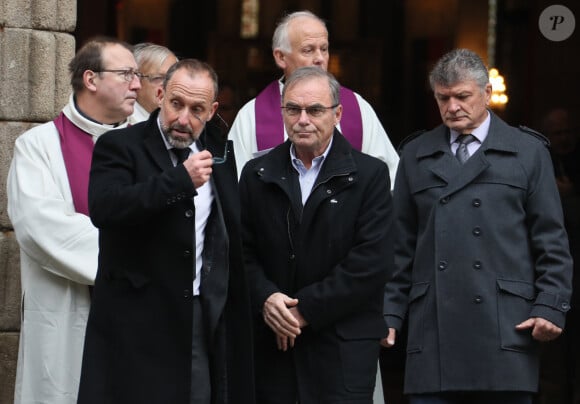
(314, 111)
(127, 74)
(223, 129)
(218, 122)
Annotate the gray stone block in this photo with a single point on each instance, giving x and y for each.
(9, 131)
(52, 15)
(65, 51)
(10, 291)
(33, 66)
(8, 358)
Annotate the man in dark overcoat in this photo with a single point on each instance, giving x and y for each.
(170, 314)
(483, 269)
(316, 234)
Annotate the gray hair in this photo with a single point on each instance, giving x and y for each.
(457, 66)
(150, 56)
(310, 72)
(280, 38)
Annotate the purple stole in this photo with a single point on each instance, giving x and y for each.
(77, 152)
(270, 126)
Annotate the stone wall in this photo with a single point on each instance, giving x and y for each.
(36, 44)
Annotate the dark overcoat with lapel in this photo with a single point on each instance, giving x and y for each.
(138, 339)
(333, 255)
(480, 248)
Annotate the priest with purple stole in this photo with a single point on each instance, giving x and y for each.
(47, 205)
(301, 39)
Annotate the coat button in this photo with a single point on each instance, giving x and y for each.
(565, 306)
(292, 257)
(187, 253)
(478, 299)
(476, 231)
(186, 293)
(328, 191)
(442, 265)
(189, 213)
(477, 265)
(477, 203)
(444, 200)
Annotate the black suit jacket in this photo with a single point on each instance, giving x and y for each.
(138, 341)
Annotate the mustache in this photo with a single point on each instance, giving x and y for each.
(181, 128)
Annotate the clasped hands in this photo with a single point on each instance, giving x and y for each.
(281, 314)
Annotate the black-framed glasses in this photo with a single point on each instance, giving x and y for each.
(127, 74)
(314, 111)
(154, 79)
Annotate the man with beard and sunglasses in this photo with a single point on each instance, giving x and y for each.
(170, 314)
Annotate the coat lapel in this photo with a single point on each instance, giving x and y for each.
(339, 163)
(436, 147)
(447, 168)
(465, 175)
(154, 143)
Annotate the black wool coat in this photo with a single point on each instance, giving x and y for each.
(480, 247)
(138, 339)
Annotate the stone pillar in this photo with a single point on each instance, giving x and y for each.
(36, 44)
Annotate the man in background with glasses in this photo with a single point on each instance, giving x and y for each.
(169, 321)
(47, 204)
(301, 39)
(153, 61)
(316, 219)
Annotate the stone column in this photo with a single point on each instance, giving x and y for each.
(36, 44)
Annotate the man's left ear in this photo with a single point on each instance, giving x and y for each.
(159, 96)
(488, 90)
(89, 80)
(214, 107)
(338, 114)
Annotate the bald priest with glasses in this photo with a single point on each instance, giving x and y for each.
(170, 309)
(316, 219)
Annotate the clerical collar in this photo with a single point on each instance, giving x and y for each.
(112, 125)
